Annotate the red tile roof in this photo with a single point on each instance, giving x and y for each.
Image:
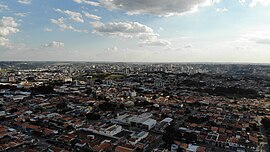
(123, 149)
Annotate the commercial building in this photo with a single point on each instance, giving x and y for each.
(142, 121)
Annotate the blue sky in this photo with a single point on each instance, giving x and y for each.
(135, 30)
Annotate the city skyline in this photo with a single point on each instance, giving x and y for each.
(135, 30)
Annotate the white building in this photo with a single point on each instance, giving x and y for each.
(2, 114)
(192, 148)
(2, 101)
(112, 130)
(164, 124)
(148, 123)
(68, 80)
(174, 148)
(133, 94)
(167, 120)
(135, 138)
(142, 121)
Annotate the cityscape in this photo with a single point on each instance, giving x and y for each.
(134, 76)
(127, 107)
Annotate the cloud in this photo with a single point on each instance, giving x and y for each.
(152, 39)
(221, 10)
(256, 36)
(61, 23)
(242, 2)
(263, 41)
(155, 42)
(187, 46)
(144, 33)
(63, 26)
(24, 1)
(92, 16)
(4, 41)
(96, 24)
(21, 14)
(157, 7)
(3, 8)
(75, 16)
(46, 29)
(8, 26)
(123, 29)
(112, 49)
(254, 3)
(87, 2)
(54, 44)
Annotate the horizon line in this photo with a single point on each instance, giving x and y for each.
(146, 62)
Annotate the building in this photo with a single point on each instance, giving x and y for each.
(163, 124)
(2, 114)
(137, 137)
(142, 121)
(112, 130)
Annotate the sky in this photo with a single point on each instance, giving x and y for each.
(135, 30)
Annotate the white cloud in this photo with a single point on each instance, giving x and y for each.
(242, 2)
(155, 42)
(258, 36)
(92, 16)
(254, 3)
(24, 1)
(157, 7)
(75, 16)
(46, 29)
(8, 26)
(187, 46)
(221, 10)
(63, 26)
(263, 41)
(152, 39)
(4, 41)
(21, 14)
(54, 44)
(112, 49)
(96, 24)
(145, 34)
(87, 2)
(123, 29)
(3, 7)
(61, 23)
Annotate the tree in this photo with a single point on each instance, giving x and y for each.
(92, 116)
(190, 137)
(106, 106)
(89, 91)
(42, 90)
(61, 105)
(169, 135)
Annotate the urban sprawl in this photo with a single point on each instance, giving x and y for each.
(134, 107)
